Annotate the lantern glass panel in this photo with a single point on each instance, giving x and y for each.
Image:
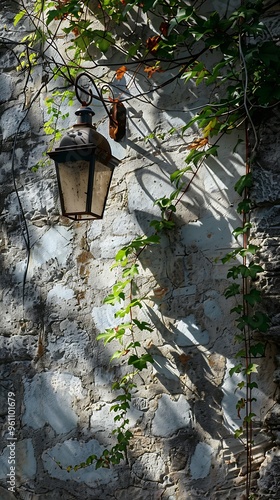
(73, 177)
(102, 179)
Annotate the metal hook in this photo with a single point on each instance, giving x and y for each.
(117, 114)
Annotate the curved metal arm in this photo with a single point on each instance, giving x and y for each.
(117, 113)
(89, 93)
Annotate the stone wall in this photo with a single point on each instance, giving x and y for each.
(55, 274)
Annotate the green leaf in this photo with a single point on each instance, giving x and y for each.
(237, 309)
(91, 459)
(131, 271)
(232, 290)
(117, 355)
(238, 433)
(121, 254)
(244, 206)
(235, 369)
(260, 321)
(241, 384)
(250, 249)
(107, 336)
(246, 181)
(140, 362)
(240, 354)
(251, 368)
(253, 296)
(249, 417)
(252, 385)
(241, 230)
(52, 14)
(230, 255)
(104, 44)
(254, 269)
(240, 404)
(257, 349)
(148, 4)
(143, 325)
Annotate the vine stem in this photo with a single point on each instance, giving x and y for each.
(246, 287)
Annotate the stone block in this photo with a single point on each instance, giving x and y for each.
(49, 398)
(171, 415)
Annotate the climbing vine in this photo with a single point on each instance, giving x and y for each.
(240, 82)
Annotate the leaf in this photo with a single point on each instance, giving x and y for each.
(104, 44)
(198, 143)
(249, 417)
(231, 290)
(19, 16)
(252, 385)
(241, 384)
(151, 70)
(245, 181)
(241, 230)
(90, 459)
(52, 14)
(107, 336)
(251, 368)
(164, 27)
(148, 4)
(140, 362)
(152, 43)
(130, 271)
(120, 72)
(143, 325)
(240, 405)
(253, 270)
(122, 255)
(253, 296)
(257, 349)
(238, 432)
(118, 354)
(240, 354)
(235, 369)
(260, 321)
(178, 174)
(237, 309)
(250, 249)
(182, 15)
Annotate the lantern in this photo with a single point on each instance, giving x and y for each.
(84, 167)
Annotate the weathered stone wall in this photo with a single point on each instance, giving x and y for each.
(265, 219)
(183, 412)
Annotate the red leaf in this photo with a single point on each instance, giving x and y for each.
(164, 27)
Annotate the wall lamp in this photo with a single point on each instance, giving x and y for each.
(84, 162)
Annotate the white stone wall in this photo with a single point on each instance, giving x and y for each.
(183, 412)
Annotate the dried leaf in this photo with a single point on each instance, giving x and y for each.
(153, 43)
(76, 31)
(117, 125)
(184, 358)
(198, 143)
(151, 70)
(120, 72)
